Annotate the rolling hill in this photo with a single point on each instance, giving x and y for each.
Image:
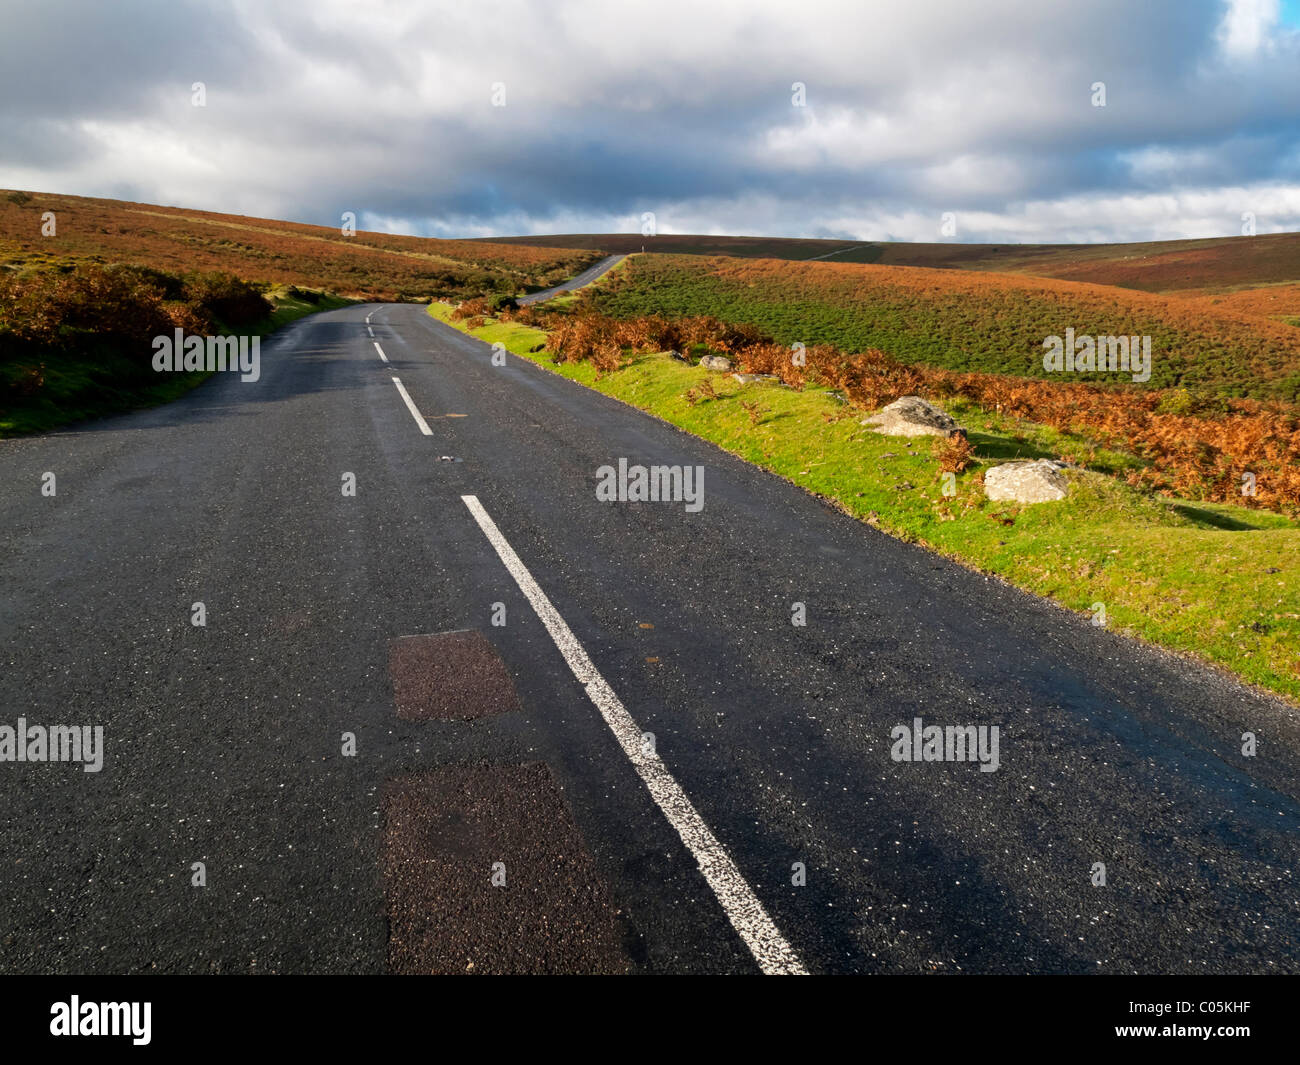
(964, 320)
(376, 266)
(1194, 267)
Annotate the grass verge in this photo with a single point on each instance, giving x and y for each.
(1215, 581)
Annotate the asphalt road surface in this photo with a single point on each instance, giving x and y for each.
(303, 784)
(585, 278)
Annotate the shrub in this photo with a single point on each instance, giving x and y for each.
(94, 326)
(955, 454)
(469, 309)
(227, 299)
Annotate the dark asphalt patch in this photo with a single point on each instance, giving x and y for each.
(444, 833)
(451, 675)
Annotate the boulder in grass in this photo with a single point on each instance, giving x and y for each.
(750, 378)
(716, 362)
(1040, 481)
(911, 416)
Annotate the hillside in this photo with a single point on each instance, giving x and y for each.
(368, 265)
(963, 320)
(1217, 264)
(79, 307)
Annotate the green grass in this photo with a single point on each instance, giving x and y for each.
(1191, 577)
(291, 305)
(74, 389)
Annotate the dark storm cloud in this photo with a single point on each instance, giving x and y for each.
(93, 59)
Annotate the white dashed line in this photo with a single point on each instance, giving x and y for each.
(381, 353)
(415, 413)
(773, 954)
(371, 332)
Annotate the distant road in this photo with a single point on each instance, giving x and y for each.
(687, 781)
(837, 251)
(585, 278)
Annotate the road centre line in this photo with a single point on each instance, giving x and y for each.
(747, 915)
(410, 405)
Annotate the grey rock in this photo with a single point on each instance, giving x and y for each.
(1040, 481)
(911, 416)
(750, 378)
(716, 362)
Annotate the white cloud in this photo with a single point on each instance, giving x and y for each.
(1247, 25)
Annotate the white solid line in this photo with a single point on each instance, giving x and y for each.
(419, 418)
(773, 954)
(371, 332)
(381, 353)
(368, 317)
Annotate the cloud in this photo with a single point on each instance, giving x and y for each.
(686, 109)
(1247, 25)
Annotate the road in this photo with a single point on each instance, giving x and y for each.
(501, 809)
(585, 278)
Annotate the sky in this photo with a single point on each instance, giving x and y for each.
(912, 120)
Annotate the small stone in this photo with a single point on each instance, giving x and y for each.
(911, 416)
(1040, 481)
